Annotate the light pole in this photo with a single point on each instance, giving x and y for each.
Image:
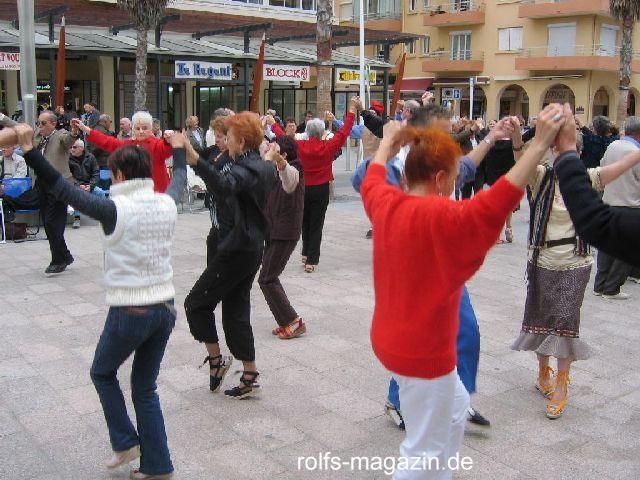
(27, 60)
(362, 67)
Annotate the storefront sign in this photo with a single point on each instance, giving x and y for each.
(207, 70)
(9, 61)
(451, 94)
(558, 95)
(345, 75)
(286, 73)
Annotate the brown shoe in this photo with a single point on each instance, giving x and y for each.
(293, 330)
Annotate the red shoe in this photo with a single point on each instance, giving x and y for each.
(293, 330)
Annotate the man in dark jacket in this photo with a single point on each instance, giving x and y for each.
(86, 174)
(596, 141)
(104, 126)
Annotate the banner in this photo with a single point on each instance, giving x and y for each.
(286, 73)
(210, 71)
(9, 61)
(347, 76)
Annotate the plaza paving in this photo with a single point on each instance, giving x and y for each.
(322, 392)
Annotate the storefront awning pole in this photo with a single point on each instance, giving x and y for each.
(362, 69)
(27, 60)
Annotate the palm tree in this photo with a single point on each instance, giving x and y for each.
(324, 14)
(146, 14)
(628, 11)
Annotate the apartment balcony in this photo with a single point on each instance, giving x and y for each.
(562, 8)
(573, 58)
(380, 14)
(458, 61)
(461, 13)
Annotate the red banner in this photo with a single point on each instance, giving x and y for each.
(257, 79)
(396, 86)
(60, 68)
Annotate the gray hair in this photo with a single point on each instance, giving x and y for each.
(315, 128)
(601, 125)
(412, 106)
(105, 118)
(579, 142)
(126, 120)
(632, 126)
(142, 117)
(50, 115)
(79, 143)
(271, 112)
(221, 112)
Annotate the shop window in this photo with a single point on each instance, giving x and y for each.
(411, 47)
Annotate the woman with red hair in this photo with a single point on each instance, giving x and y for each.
(158, 148)
(425, 248)
(243, 188)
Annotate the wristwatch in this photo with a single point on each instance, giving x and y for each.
(487, 141)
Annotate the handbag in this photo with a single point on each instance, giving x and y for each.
(16, 231)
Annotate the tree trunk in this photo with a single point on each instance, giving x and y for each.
(323, 39)
(625, 70)
(140, 95)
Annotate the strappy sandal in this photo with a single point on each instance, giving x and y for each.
(221, 367)
(546, 391)
(276, 331)
(249, 388)
(556, 410)
(309, 268)
(293, 330)
(508, 234)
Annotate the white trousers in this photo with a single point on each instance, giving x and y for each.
(435, 414)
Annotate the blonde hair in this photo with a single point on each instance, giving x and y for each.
(191, 121)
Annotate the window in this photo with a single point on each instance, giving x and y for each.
(411, 47)
(608, 35)
(425, 44)
(426, 4)
(460, 46)
(562, 40)
(413, 5)
(509, 39)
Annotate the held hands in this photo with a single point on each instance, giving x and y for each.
(25, 136)
(428, 97)
(504, 128)
(176, 140)
(516, 134)
(550, 121)
(76, 124)
(566, 139)
(390, 144)
(355, 104)
(274, 156)
(329, 116)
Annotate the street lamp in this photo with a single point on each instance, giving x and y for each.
(27, 60)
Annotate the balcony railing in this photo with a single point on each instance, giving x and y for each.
(455, 55)
(378, 10)
(456, 7)
(571, 51)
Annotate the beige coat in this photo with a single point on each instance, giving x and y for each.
(57, 150)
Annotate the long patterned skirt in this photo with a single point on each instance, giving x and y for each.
(551, 324)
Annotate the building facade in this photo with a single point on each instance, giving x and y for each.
(520, 54)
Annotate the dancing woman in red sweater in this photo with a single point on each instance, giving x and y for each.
(423, 253)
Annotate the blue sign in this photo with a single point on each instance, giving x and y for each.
(206, 70)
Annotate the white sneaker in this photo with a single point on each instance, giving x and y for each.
(120, 458)
(619, 296)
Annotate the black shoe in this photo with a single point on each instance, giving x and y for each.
(55, 268)
(369, 234)
(69, 260)
(218, 368)
(249, 388)
(475, 417)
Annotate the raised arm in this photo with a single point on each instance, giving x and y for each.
(337, 141)
(611, 172)
(99, 139)
(289, 175)
(373, 122)
(502, 129)
(179, 180)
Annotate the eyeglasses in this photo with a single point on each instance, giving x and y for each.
(39, 124)
(76, 146)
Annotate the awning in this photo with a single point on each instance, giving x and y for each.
(415, 84)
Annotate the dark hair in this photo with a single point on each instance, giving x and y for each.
(422, 116)
(132, 161)
(290, 120)
(308, 112)
(601, 125)
(289, 146)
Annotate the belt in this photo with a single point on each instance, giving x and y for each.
(560, 241)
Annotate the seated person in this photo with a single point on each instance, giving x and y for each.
(86, 173)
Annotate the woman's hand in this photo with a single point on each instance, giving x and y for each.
(274, 156)
(502, 129)
(25, 136)
(76, 124)
(389, 145)
(516, 134)
(355, 104)
(566, 139)
(192, 155)
(177, 140)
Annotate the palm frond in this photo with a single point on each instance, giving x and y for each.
(622, 9)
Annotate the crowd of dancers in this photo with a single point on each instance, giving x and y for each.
(268, 185)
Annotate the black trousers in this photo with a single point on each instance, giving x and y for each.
(54, 214)
(316, 200)
(227, 279)
(611, 275)
(275, 258)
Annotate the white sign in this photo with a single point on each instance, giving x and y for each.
(345, 75)
(9, 61)
(450, 94)
(286, 73)
(207, 70)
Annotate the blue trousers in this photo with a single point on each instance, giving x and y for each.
(468, 350)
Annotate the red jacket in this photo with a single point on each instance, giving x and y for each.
(158, 148)
(424, 249)
(317, 156)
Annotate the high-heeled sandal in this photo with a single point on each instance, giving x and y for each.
(546, 391)
(556, 410)
(309, 268)
(293, 330)
(249, 388)
(221, 367)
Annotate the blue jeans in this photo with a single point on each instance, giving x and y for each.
(467, 346)
(143, 331)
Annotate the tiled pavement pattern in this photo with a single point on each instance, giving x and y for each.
(322, 392)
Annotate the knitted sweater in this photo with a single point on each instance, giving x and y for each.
(424, 250)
